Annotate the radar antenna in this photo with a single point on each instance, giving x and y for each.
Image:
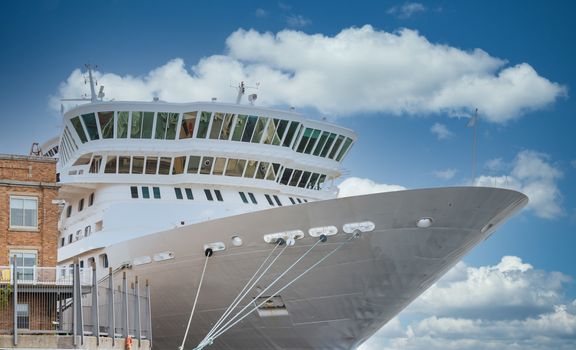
(93, 83)
(242, 90)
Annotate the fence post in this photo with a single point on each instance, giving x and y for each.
(137, 313)
(149, 314)
(95, 305)
(125, 305)
(111, 318)
(15, 299)
(74, 313)
(78, 301)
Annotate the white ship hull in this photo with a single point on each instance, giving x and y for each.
(340, 303)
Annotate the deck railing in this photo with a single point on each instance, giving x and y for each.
(60, 275)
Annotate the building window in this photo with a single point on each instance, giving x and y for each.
(208, 195)
(269, 200)
(24, 212)
(252, 198)
(156, 191)
(62, 241)
(145, 192)
(22, 316)
(104, 260)
(68, 211)
(26, 264)
(178, 192)
(218, 195)
(134, 191)
(189, 193)
(277, 200)
(81, 205)
(243, 196)
(91, 199)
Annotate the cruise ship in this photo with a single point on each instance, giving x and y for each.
(230, 210)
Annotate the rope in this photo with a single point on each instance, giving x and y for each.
(246, 289)
(195, 301)
(219, 333)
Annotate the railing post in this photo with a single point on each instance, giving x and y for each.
(78, 301)
(74, 313)
(15, 299)
(149, 314)
(125, 305)
(137, 313)
(111, 318)
(95, 306)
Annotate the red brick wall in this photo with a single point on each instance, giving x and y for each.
(39, 176)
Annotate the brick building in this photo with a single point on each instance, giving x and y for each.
(28, 216)
(29, 231)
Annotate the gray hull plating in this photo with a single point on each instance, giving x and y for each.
(337, 305)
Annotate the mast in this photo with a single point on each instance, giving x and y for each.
(93, 96)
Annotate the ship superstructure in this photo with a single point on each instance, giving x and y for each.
(216, 193)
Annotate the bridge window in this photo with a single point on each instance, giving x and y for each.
(95, 165)
(124, 165)
(291, 200)
(243, 197)
(235, 167)
(270, 133)
(321, 143)
(304, 140)
(151, 165)
(137, 165)
(269, 200)
(106, 120)
(178, 192)
(206, 167)
(164, 168)
(90, 122)
(345, 148)
(111, 165)
(239, 128)
(122, 125)
(336, 146)
(249, 129)
(227, 126)
(218, 195)
(328, 144)
(178, 165)
(251, 169)
(312, 141)
(77, 124)
(208, 195)
(273, 172)
(217, 122)
(134, 191)
(304, 179)
(145, 192)
(286, 176)
(156, 191)
(262, 169)
(204, 124)
(312, 181)
(295, 177)
(187, 127)
(290, 134)
(277, 200)
(166, 125)
(189, 193)
(252, 198)
(321, 182)
(193, 164)
(219, 165)
(136, 129)
(259, 129)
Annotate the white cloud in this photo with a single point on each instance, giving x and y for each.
(354, 186)
(495, 164)
(297, 21)
(399, 73)
(506, 306)
(533, 175)
(445, 174)
(406, 10)
(441, 131)
(573, 163)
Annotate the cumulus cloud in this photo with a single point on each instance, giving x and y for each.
(445, 174)
(359, 70)
(495, 164)
(406, 10)
(297, 21)
(534, 175)
(354, 186)
(441, 131)
(510, 305)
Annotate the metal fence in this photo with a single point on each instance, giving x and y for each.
(70, 301)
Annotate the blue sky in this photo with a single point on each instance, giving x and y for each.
(404, 75)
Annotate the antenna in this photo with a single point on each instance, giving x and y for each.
(242, 90)
(93, 96)
(93, 83)
(101, 93)
(252, 98)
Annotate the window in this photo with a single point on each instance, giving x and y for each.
(106, 121)
(193, 164)
(218, 195)
(145, 192)
(290, 134)
(243, 196)
(26, 264)
(137, 165)
(219, 165)
(103, 260)
(68, 211)
(208, 195)
(277, 200)
(90, 122)
(22, 316)
(81, 205)
(124, 165)
(69, 238)
(249, 129)
(206, 165)
(62, 241)
(151, 165)
(134, 191)
(98, 226)
(269, 200)
(178, 165)
(178, 192)
(87, 231)
(291, 200)
(78, 235)
(156, 191)
(164, 168)
(91, 262)
(91, 199)
(81, 264)
(24, 212)
(217, 122)
(203, 127)
(122, 130)
(189, 193)
(252, 198)
(96, 164)
(77, 124)
(187, 127)
(111, 165)
(299, 200)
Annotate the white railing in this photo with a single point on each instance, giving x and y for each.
(60, 275)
